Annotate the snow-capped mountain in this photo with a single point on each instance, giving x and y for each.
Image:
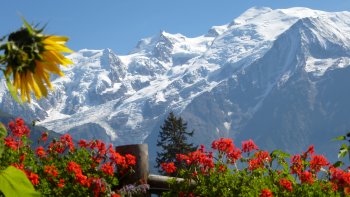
(278, 76)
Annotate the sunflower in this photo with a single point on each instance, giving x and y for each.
(31, 57)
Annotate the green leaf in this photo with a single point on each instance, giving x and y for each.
(338, 164)
(12, 90)
(339, 138)
(14, 182)
(29, 27)
(344, 149)
(3, 134)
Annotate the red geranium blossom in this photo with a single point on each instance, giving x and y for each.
(287, 184)
(249, 146)
(74, 167)
(40, 151)
(108, 168)
(234, 155)
(52, 170)
(296, 167)
(60, 184)
(34, 178)
(12, 143)
(18, 128)
(317, 162)
(168, 167)
(130, 159)
(306, 177)
(44, 136)
(265, 193)
(223, 144)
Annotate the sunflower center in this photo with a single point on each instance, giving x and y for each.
(23, 49)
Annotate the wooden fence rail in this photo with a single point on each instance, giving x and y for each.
(158, 183)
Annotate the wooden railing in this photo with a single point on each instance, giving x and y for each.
(158, 183)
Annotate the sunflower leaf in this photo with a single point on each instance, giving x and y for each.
(29, 27)
(339, 138)
(3, 134)
(14, 182)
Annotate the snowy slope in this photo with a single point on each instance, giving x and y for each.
(221, 82)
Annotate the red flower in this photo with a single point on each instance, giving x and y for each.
(44, 136)
(265, 193)
(118, 159)
(130, 159)
(108, 168)
(222, 168)
(67, 140)
(200, 158)
(18, 128)
(296, 166)
(317, 162)
(346, 190)
(310, 151)
(115, 195)
(34, 178)
(223, 145)
(61, 183)
(249, 146)
(182, 157)
(81, 179)
(11, 143)
(234, 155)
(287, 184)
(98, 186)
(260, 159)
(74, 167)
(83, 144)
(102, 150)
(168, 167)
(19, 166)
(22, 158)
(40, 151)
(306, 177)
(52, 170)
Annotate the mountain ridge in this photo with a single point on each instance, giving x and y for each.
(222, 82)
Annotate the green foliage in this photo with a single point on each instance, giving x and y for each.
(13, 182)
(173, 140)
(244, 173)
(3, 134)
(90, 169)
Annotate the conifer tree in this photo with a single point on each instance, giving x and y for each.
(172, 140)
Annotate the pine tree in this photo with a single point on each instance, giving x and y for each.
(173, 140)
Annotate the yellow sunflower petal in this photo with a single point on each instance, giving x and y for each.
(57, 47)
(56, 38)
(45, 76)
(50, 67)
(39, 77)
(33, 85)
(58, 58)
(40, 84)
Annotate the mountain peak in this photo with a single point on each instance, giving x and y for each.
(234, 71)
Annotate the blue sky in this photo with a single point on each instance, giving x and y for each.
(118, 24)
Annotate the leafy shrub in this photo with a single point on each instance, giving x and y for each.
(249, 171)
(91, 168)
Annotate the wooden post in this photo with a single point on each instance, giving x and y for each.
(158, 183)
(140, 151)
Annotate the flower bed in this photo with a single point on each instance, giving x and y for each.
(249, 171)
(91, 168)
